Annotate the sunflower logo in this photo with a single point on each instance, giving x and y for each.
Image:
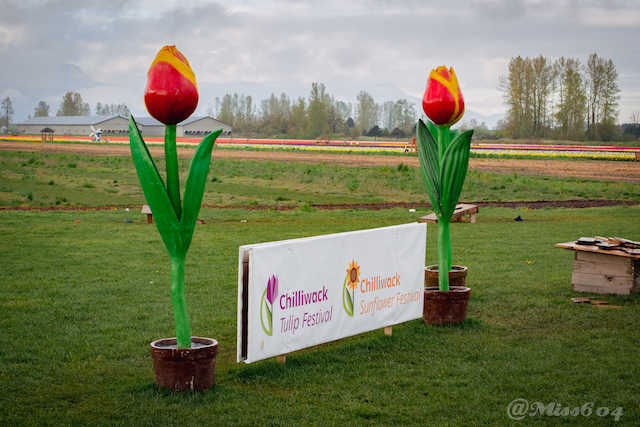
(350, 282)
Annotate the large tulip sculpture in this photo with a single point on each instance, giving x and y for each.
(444, 156)
(171, 96)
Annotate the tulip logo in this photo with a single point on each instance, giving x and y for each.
(350, 282)
(270, 293)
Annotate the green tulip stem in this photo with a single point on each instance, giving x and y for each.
(444, 254)
(444, 138)
(173, 178)
(179, 302)
(444, 237)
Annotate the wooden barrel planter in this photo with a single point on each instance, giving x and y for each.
(457, 276)
(183, 369)
(446, 307)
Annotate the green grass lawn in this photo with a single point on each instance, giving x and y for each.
(45, 180)
(80, 303)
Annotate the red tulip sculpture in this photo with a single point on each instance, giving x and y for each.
(171, 96)
(444, 156)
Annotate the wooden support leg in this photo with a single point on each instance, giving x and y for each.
(387, 330)
(282, 359)
(473, 218)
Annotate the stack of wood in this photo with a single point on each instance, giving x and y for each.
(608, 243)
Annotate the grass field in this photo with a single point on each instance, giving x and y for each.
(81, 301)
(42, 180)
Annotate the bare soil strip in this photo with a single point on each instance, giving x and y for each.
(572, 204)
(594, 169)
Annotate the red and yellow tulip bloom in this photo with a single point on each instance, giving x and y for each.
(442, 101)
(171, 94)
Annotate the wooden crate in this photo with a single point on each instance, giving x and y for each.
(604, 273)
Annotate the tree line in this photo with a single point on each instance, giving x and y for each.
(71, 105)
(320, 114)
(562, 99)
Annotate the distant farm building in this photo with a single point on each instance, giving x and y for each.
(118, 125)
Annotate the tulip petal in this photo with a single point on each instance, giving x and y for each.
(169, 96)
(171, 93)
(173, 57)
(443, 102)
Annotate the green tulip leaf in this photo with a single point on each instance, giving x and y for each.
(433, 128)
(269, 317)
(454, 134)
(454, 171)
(429, 164)
(155, 191)
(270, 330)
(194, 187)
(347, 303)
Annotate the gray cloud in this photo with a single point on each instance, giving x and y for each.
(103, 48)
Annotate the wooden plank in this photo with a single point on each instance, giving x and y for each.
(600, 289)
(581, 299)
(460, 210)
(282, 359)
(604, 258)
(606, 268)
(594, 249)
(388, 330)
(602, 280)
(429, 218)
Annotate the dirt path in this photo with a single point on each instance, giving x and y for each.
(594, 169)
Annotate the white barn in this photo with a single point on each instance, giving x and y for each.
(118, 125)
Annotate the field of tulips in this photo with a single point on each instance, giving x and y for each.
(478, 149)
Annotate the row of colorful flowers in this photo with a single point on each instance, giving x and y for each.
(582, 154)
(594, 153)
(577, 154)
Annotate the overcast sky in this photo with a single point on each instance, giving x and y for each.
(102, 49)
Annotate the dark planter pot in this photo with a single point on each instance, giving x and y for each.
(457, 276)
(445, 307)
(183, 369)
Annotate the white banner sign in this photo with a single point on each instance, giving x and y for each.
(299, 293)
